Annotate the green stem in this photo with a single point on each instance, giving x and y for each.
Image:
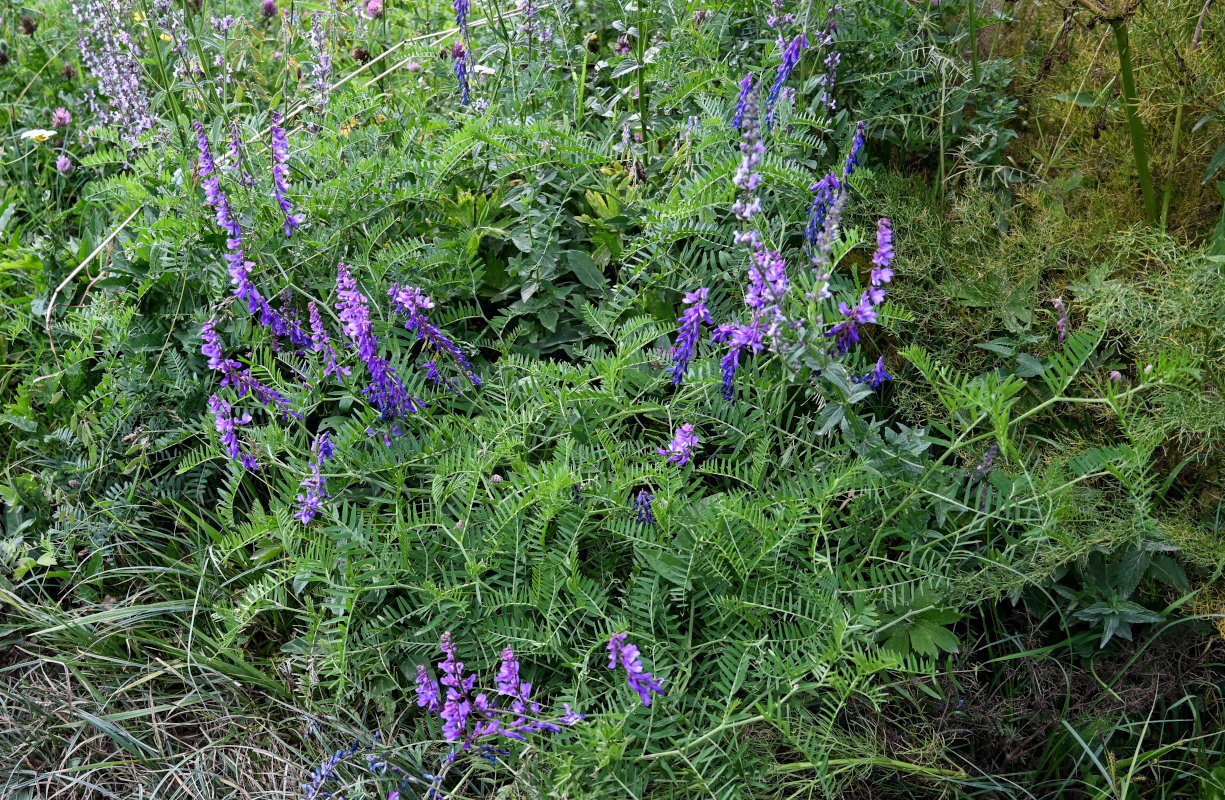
(890, 763)
(642, 74)
(973, 38)
(582, 90)
(1130, 104)
(1169, 179)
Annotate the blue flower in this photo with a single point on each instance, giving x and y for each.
(642, 504)
(877, 376)
(631, 661)
(791, 57)
(746, 85)
(688, 330)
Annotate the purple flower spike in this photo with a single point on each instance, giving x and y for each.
(310, 503)
(427, 691)
(322, 343)
(791, 57)
(746, 85)
(414, 304)
(846, 333)
(280, 174)
(226, 422)
(688, 331)
(386, 391)
(236, 375)
(852, 158)
(642, 504)
(112, 56)
(631, 661)
(571, 718)
(881, 273)
(1061, 322)
(239, 267)
(680, 449)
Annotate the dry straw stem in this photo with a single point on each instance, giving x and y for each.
(64, 283)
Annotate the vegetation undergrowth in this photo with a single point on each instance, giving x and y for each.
(734, 400)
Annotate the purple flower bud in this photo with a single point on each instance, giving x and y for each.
(642, 504)
(1061, 322)
(60, 118)
(63, 165)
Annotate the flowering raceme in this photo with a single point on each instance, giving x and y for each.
(642, 504)
(226, 422)
(681, 448)
(234, 374)
(746, 85)
(791, 58)
(239, 266)
(310, 503)
(386, 392)
(689, 326)
(468, 716)
(413, 303)
(619, 651)
(280, 174)
(322, 343)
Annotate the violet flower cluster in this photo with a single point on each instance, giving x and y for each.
(688, 329)
(239, 266)
(768, 282)
(1061, 320)
(620, 651)
(386, 391)
(112, 56)
(234, 374)
(642, 504)
(310, 502)
(468, 717)
(459, 53)
(876, 376)
(322, 343)
(414, 304)
(791, 58)
(746, 85)
(825, 216)
(226, 422)
(280, 174)
(681, 448)
(846, 332)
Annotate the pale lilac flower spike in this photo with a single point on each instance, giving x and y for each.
(681, 448)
